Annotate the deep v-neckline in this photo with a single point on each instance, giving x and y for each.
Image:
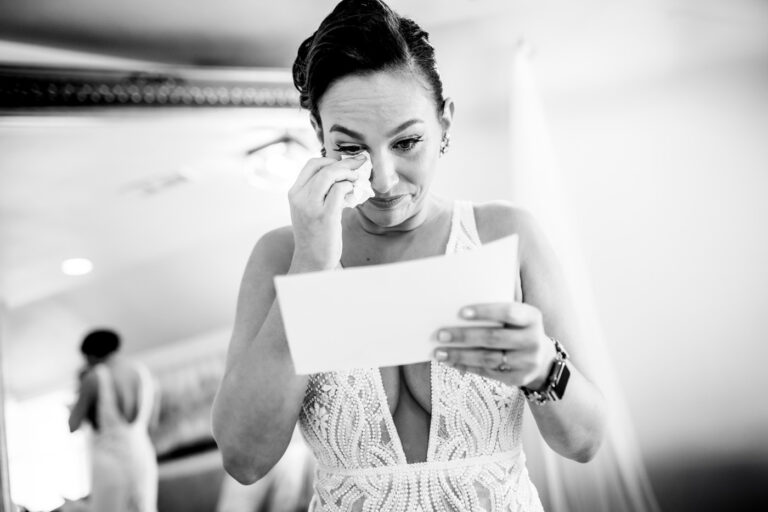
(389, 418)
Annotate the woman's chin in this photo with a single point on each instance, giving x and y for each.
(388, 218)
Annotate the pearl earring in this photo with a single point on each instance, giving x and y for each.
(445, 143)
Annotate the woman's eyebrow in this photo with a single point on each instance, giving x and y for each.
(403, 126)
(346, 131)
(359, 136)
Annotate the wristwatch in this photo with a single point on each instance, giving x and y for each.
(557, 379)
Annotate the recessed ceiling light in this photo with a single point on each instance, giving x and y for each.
(76, 266)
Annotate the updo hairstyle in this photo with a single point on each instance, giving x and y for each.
(360, 37)
(100, 343)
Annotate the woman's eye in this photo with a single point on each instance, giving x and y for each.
(407, 144)
(348, 150)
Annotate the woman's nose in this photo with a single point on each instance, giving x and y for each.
(383, 175)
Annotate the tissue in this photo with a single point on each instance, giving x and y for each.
(361, 190)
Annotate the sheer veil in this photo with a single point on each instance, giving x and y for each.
(616, 479)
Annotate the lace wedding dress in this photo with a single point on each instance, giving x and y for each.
(474, 459)
(124, 466)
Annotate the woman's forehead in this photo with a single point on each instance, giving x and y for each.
(384, 99)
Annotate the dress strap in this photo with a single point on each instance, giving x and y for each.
(464, 235)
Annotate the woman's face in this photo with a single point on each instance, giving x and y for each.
(393, 116)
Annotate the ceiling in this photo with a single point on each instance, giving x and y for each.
(164, 203)
(222, 33)
(597, 41)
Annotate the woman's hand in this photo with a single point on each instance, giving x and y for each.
(516, 352)
(317, 200)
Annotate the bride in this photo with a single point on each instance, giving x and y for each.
(438, 435)
(116, 398)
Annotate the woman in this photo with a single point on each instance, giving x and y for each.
(116, 397)
(441, 435)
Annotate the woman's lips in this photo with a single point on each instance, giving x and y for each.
(386, 202)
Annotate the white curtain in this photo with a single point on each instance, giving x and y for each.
(615, 481)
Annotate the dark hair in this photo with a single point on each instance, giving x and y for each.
(100, 343)
(360, 37)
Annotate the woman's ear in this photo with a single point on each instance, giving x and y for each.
(446, 115)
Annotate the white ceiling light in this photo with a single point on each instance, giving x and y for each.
(276, 163)
(76, 266)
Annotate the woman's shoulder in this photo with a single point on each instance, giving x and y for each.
(119, 370)
(274, 250)
(90, 378)
(497, 219)
(278, 238)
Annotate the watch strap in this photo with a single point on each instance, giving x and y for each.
(556, 382)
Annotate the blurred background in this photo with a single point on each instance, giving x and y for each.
(157, 142)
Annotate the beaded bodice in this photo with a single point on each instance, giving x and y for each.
(474, 456)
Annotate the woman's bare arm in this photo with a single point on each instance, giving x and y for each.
(259, 398)
(86, 398)
(574, 426)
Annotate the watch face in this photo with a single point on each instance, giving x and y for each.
(559, 388)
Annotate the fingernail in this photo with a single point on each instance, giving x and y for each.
(360, 156)
(441, 355)
(444, 336)
(467, 312)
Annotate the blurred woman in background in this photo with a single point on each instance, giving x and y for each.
(116, 398)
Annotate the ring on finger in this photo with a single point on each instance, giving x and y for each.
(504, 365)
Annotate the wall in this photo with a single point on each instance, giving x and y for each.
(667, 178)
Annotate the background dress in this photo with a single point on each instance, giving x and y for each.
(124, 466)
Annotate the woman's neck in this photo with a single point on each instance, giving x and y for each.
(427, 238)
(432, 210)
(106, 360)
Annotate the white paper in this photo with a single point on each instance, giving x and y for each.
(387, 315)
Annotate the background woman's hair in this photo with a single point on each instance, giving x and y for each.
(360, 37)
(100, 343)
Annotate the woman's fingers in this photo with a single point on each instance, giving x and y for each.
(511, 349)
(319, 175)
(320, 186)
(335, 198)
(476, 357)
(487, 362)
(491, 337)
(511, 314)
(315, 165)
(310, 168)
